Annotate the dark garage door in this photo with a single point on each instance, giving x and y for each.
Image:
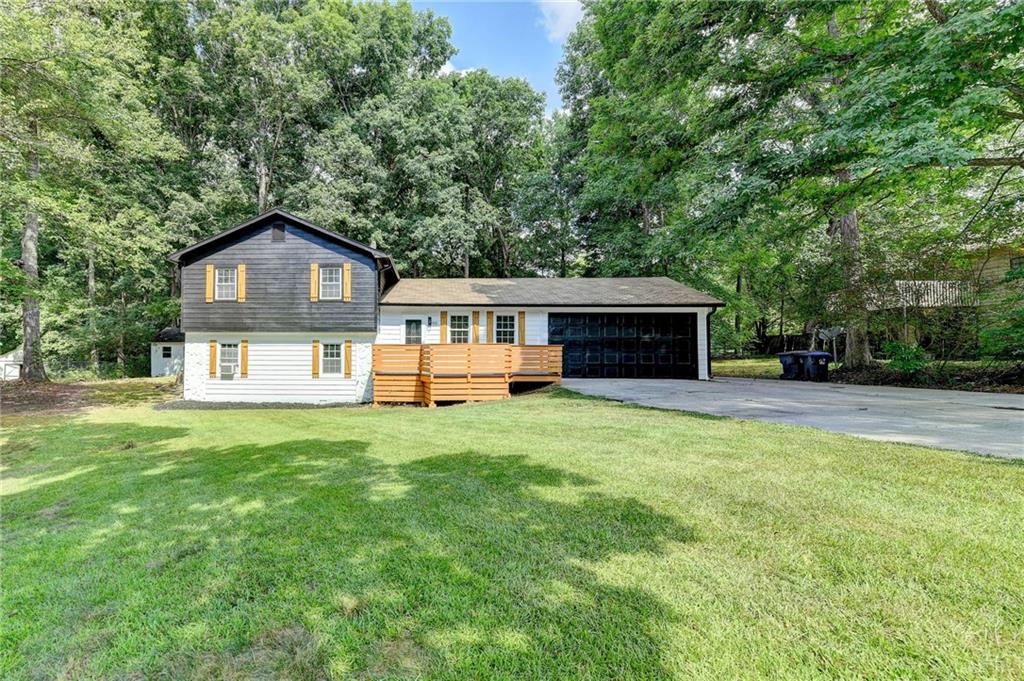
(617, 345)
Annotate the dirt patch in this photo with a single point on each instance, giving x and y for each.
(400, 657)
(22, 397)
(54, 511)
(50, 398)
(283, 653)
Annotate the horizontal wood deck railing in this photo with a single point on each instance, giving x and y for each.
(428, 374)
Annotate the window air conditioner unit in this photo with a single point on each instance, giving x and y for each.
(227, 370)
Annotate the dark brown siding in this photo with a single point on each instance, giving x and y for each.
(277, 286)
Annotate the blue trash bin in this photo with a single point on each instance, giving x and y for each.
(792, 365)
(816, 366)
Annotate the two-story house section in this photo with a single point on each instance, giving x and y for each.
(278, 309)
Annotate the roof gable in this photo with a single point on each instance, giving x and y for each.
(274, 215)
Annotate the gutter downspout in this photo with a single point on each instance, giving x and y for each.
(707, 320)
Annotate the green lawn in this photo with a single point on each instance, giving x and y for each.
(748, 367)
(548, 536)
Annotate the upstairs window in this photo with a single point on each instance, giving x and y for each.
(330, 283)
(458, 328)
(332, 358)
(505, 328)
(227, 284)
(166, 350)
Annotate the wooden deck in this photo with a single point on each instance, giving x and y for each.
(428, 374)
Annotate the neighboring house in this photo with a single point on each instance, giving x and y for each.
(278, 309)
(167, 352)
(10, 364)
(992, 265)
(915, 300)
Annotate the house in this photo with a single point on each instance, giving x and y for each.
(167, 352)
(278, 309)
(911, 304)
(10, 364)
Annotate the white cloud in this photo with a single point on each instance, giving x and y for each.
(559, 17)
(447, 69)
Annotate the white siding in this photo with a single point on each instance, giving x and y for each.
(392, 323)
(280, 369)
(161, 366)
(391, 329)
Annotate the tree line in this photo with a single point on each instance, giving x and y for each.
(799, 158)
(792, 158)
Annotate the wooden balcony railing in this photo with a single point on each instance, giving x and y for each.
(428, 374)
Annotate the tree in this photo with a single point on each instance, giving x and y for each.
(69, 87)
(718, 113)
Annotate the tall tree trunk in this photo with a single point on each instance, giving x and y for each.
(739, 290)
(858, 350)
(120, 335)
(465, 264)
(32, 368)
(94, 352)
(782, 321)
(175, 287)
(262, 185)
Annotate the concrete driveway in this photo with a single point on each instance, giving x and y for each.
(985, 423)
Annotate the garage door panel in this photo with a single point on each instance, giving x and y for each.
(626, 345)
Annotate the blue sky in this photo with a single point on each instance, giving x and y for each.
(522, 38)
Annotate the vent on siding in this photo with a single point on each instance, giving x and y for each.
(277, 232)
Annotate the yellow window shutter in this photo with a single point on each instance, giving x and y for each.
(346, 283)
(209, 283)
(490, 326)
(444, 326)
(348, 359)
(476, 326)
(243, 358)
(314, 282)
(213, 359)
(522, 327)
(241, 283)
(316, 359)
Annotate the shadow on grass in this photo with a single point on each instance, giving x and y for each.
(312, 558)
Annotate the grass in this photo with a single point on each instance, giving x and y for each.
(747, 367)
(548, 536)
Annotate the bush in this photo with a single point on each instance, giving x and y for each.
(905, 358)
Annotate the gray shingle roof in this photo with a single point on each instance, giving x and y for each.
(547, 292)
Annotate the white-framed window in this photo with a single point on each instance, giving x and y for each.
(228, 359)
(332, 358)
(413, 331)
(166, 352)
(330, 283)
(458, 328)
(505, 328)
(227, 284)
